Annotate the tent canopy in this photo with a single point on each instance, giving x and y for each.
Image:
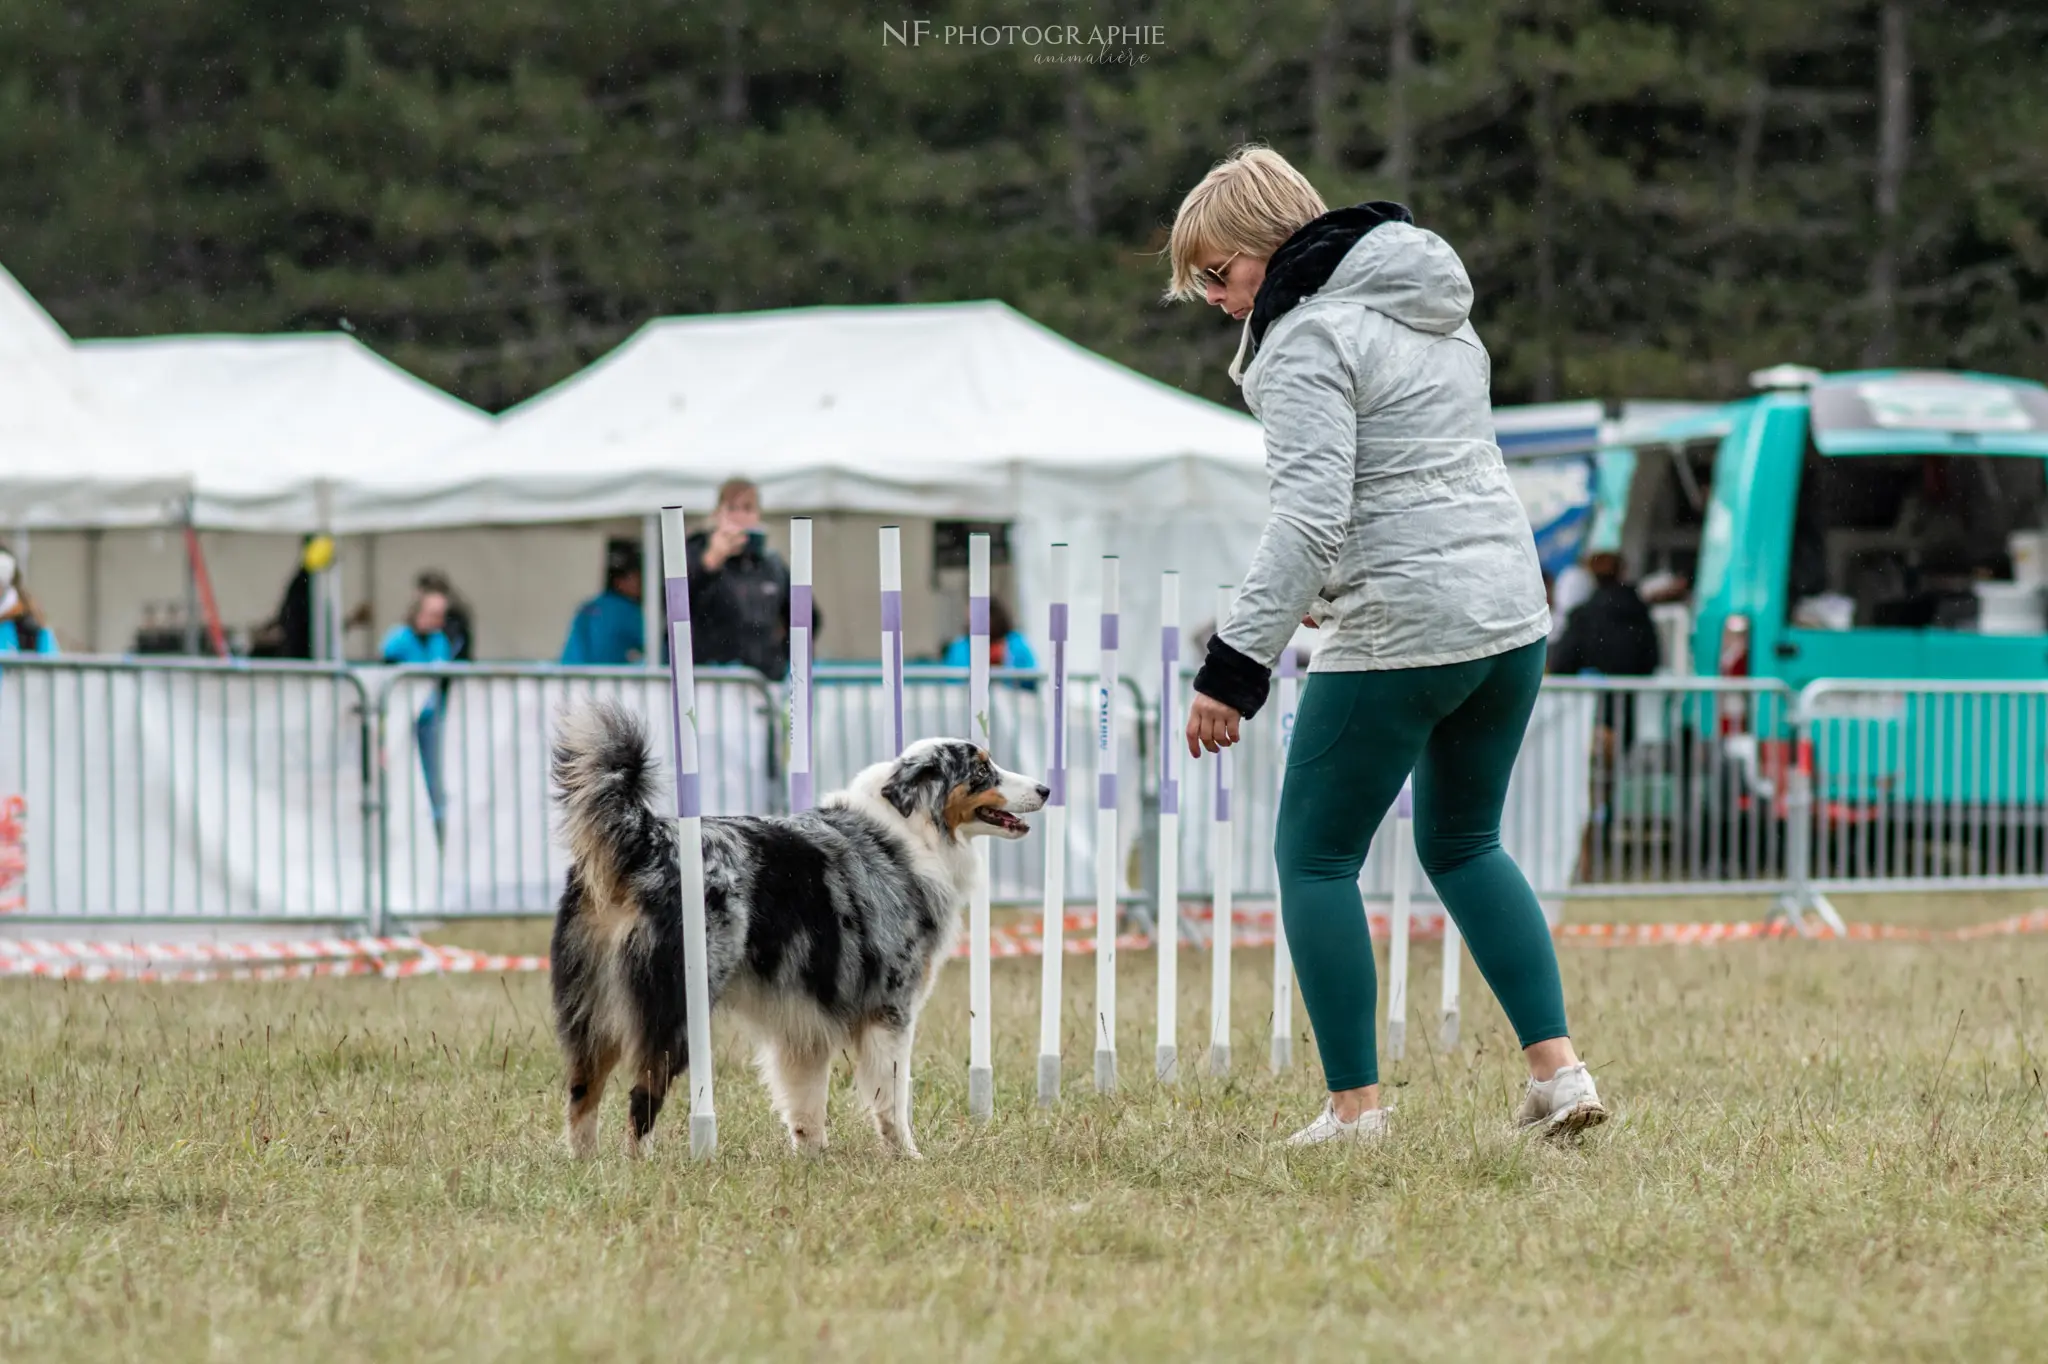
(925, 409)
(274, 430)
(65, 463)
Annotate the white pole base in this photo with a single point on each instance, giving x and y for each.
(1219, 1058)
(1449, 1036)
(1283, 1054)
(1105, 1072)
(981, 1093)
(1048, 1081)
(1397, 1040)
(703, 1135)
(1166, 1064)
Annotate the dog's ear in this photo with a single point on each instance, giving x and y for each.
(915, 785)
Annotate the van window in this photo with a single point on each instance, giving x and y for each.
(1667, 509)
(1900, 541)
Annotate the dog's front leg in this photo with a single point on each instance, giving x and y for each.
(884, 1079)
(799, 1082)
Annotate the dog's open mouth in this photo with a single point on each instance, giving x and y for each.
(1002, 819)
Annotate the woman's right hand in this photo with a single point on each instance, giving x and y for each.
(1211, 725)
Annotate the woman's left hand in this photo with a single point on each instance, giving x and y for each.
(1211, 725)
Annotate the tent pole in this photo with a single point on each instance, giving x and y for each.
(93, 541)
(652, 626)
(326, 628)
(191, 583)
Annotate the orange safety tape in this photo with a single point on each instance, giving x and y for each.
(403, 958)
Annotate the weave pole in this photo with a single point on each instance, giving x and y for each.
(1166, 1057)
(1397, 923)
(1223, 873)
(1283, 959)
(1107, 868)
(801, 792)
(1053, 929)
(892, 641)
(1453, 951)
(682, 675)
(981, 1076)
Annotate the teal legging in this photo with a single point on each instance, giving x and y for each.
(1356, 739)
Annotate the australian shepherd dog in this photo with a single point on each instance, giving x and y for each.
(825, 930)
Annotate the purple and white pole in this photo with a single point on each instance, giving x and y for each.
(1454, 954)
(981, 1077)
(1397, 923)
(1107, 860)
(1283, 960)
(1166, 1059)
(1053, 929)
(1224, 872)
(682, 674)
(892, 641)
(802, 794)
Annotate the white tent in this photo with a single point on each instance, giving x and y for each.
(966, 410)
(274, 430)
(62, 459)
(931, 409)
(962, 410)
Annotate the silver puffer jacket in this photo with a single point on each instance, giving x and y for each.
(1393, 519)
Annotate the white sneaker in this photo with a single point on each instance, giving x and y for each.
(1562, 1105)
(1370, 1125)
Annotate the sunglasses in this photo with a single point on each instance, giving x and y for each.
(1218, 275)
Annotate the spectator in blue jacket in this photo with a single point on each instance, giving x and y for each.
(423, 640)
(607, 629)
(1007, 646)
(21, 628)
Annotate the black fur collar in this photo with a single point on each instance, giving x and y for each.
(1306, 260)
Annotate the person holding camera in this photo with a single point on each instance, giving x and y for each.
(739, 588)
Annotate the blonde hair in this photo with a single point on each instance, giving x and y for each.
(733, 487)
(1249, 203)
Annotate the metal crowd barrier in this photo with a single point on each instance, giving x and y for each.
(1926, 786)
(467, 817)
(160, 792)
(1668, 786)
(145, 793)
(846, 736)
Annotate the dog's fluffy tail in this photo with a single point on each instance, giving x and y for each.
(604, 782)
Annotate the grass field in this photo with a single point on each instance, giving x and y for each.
(1822, 1151)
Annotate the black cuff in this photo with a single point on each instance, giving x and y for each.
(1228, 676)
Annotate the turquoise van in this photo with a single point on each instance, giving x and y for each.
(1885, 524)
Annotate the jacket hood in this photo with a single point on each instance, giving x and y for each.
(1371, 254)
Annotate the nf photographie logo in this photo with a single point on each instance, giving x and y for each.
(1121, 44)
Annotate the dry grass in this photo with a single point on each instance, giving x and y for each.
(1823, 1152)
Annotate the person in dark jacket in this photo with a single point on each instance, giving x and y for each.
(1610, 632)
(289, 634)
(739, 588)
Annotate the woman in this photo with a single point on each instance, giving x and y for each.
(1395, 529)
(422, 641)
(21, 628)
